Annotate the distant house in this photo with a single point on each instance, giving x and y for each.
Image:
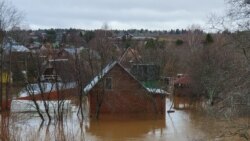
(12, 46)
(182, 85)
(58, 70)
(48, 91)
(115, 90)
(73, 51)
(56, 82)
(130, 57)
(50, 74)
(35, 47)
(138, 38)
(70, 52)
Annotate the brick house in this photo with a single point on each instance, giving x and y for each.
(115, 90)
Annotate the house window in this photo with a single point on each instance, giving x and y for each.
(108, 83)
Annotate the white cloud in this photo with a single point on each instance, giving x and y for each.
(121, 14)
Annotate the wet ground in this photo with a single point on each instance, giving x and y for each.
(182, 125)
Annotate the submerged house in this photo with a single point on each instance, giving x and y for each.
(56, 94)
(48, 91)
(56, 83)
(182, 85)
(115, 90)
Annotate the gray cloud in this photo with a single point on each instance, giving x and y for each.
(121, 14)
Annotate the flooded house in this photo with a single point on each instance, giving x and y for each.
(56, 83)
(182, 85)
(115, 90)
(54, 87)
(182, 92)
(48, 91)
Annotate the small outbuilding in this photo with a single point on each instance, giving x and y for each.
(115, 90)
(182, 85)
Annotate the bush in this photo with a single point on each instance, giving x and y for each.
(179, 42)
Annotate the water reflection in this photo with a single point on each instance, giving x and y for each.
(182, 125)
(182, 103)
(5, 126)
(124, 129)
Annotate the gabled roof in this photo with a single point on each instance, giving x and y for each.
(130, 54)
(73, 51)
(10, 44)
(15, 48)
(97, 78)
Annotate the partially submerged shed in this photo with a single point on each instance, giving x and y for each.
(182, 86)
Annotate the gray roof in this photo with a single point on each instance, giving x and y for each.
(73, 50)
(15, 48)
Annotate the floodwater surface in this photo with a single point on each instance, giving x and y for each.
(182, 125)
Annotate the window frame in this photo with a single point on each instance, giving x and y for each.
(108, 80)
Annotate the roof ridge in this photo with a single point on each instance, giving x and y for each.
(98, 77)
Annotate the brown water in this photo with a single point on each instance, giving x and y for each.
(182, 125)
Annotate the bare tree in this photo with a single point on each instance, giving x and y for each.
(101, 51)
(48, 93)
(9, 17)
(212, 70)
(239, 13)
(194, 37)
(235, 26)
(236, 19)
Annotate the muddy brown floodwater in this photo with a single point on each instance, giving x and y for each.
(182, 125)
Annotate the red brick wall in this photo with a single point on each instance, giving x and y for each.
(126, 95)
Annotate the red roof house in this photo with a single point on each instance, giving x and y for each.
(182, 86)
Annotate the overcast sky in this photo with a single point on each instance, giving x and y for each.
(119, 14)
